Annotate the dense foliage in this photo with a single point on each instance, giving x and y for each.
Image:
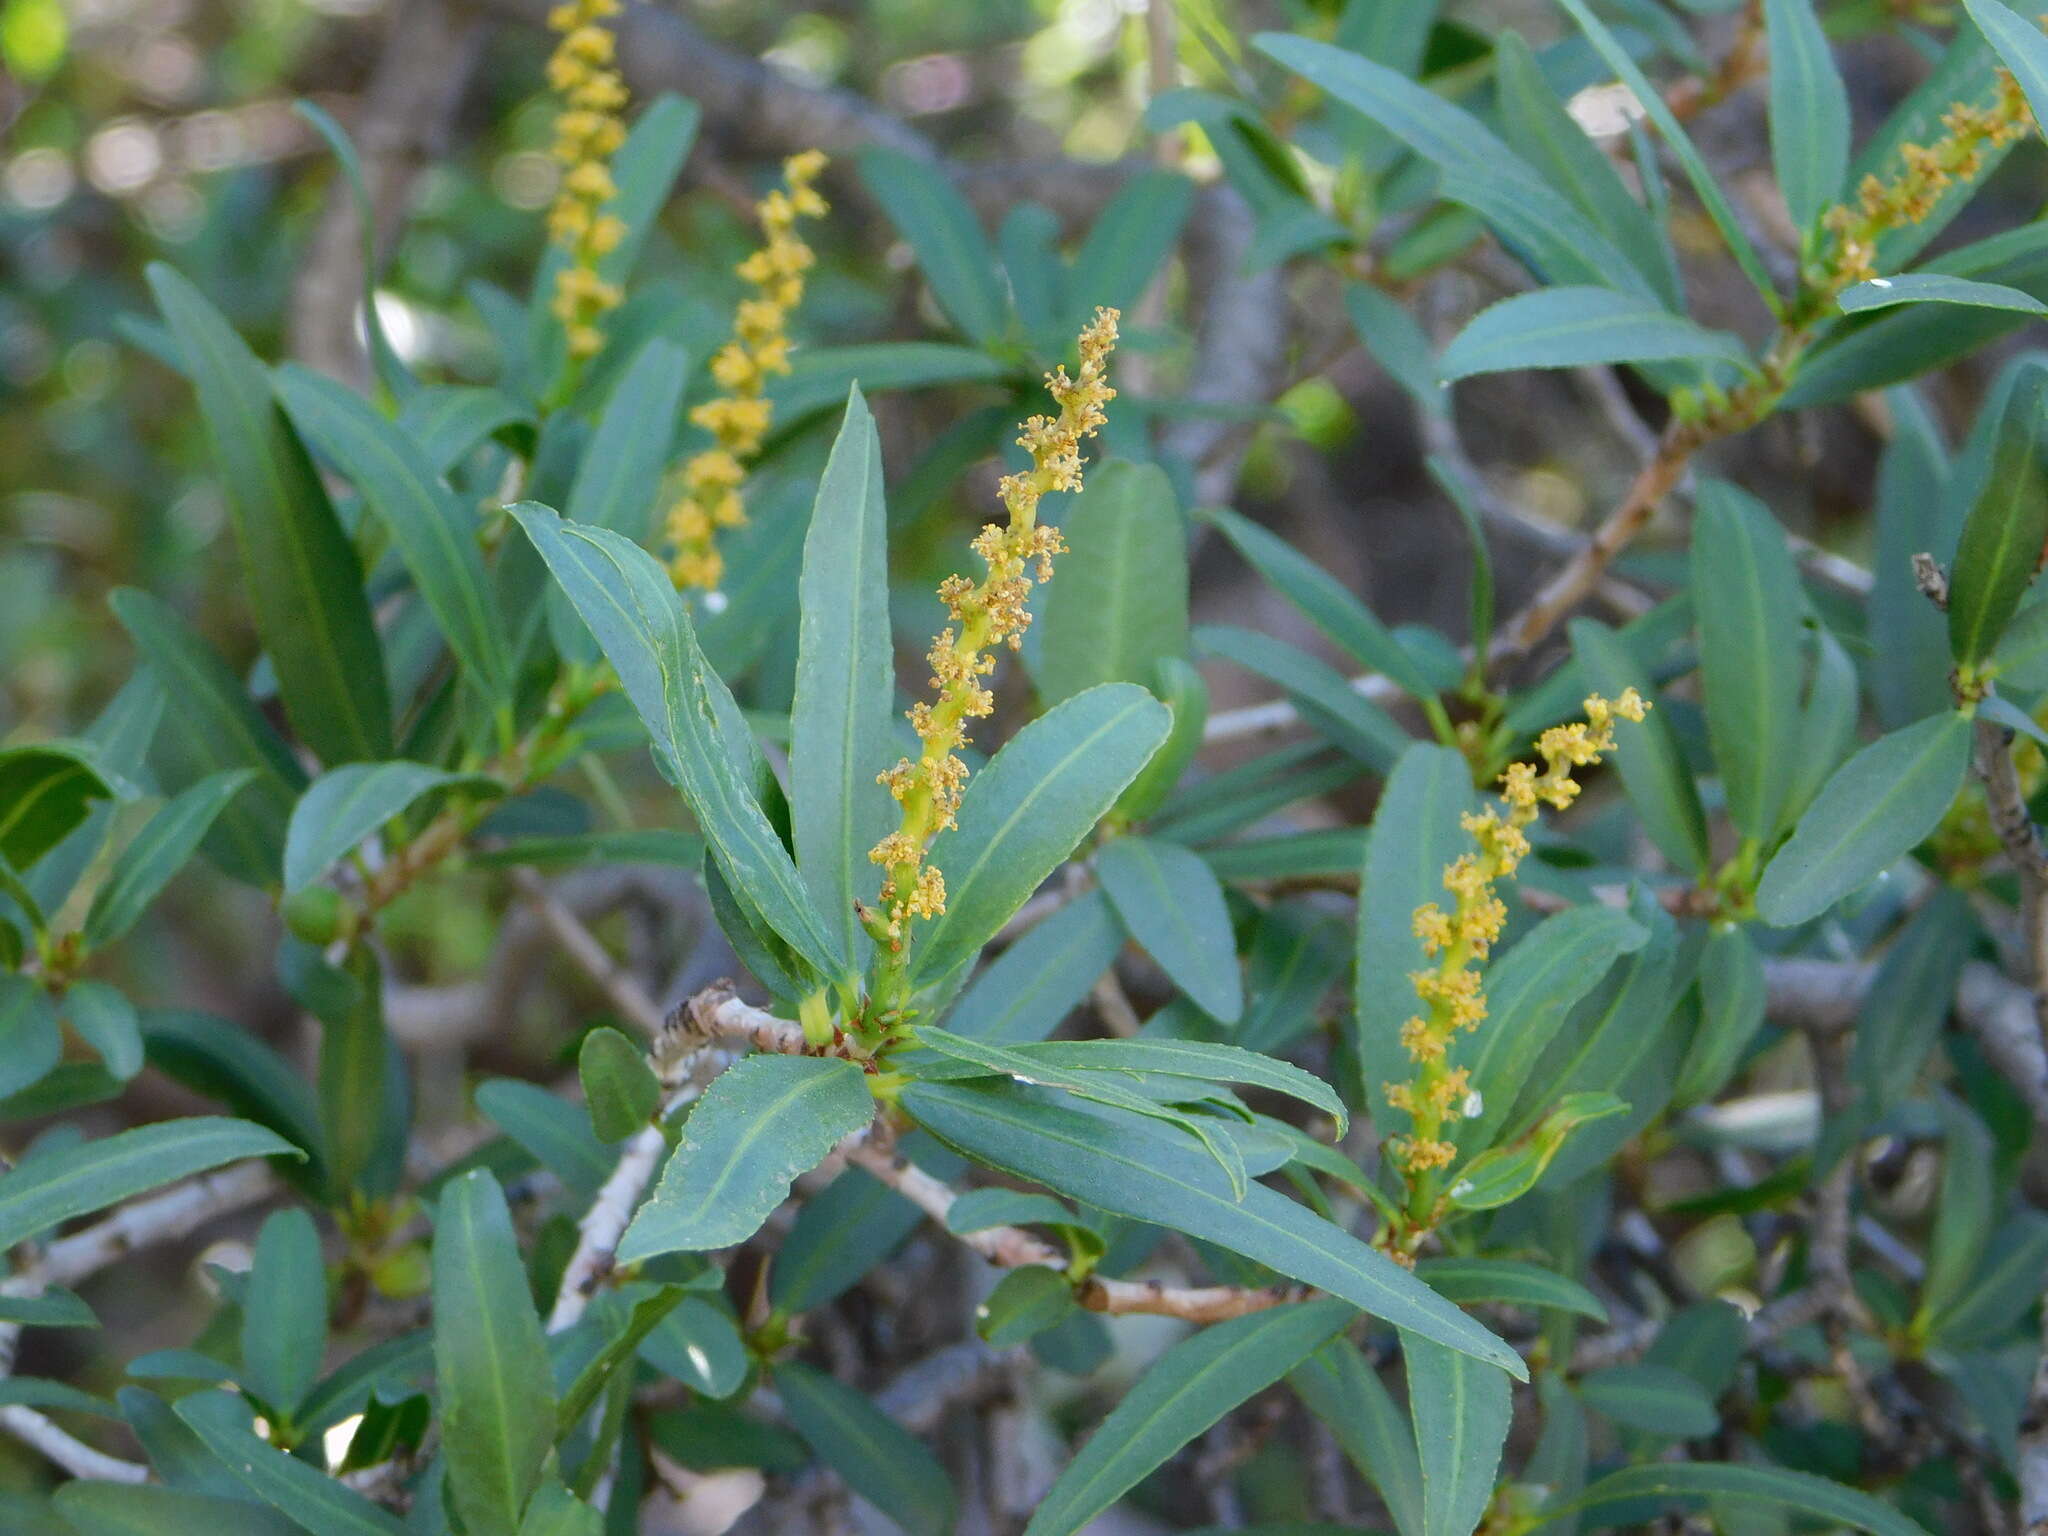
(659, 980)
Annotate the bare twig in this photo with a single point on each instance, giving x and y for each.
(73, 1455)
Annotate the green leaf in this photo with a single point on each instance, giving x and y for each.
(1189, 1388)
(1002, 1061)
(365, 1099)
(951, 249)
(1962, 1216)
(1542, 129)
(841, 1233)
(1731, 1011)
(1908, 678)
(120, 737)
(123, 1509)
(1871, 812)
(698, 1345)
(211, 726)
(1415, 835)
(763, 1122)
(1460, 1408)
(158, 852)
(1173, 907)
(1323, 601)
(1025, 992)
(30, 1041)
(1936, 288)
(880, 1461)
(1129, 239)
(496, 1393)
(1651, 1399)
(445, 421)
(1195, 1059)
(1772, 1487)
(619, 476)
(1668, 127)
(1029, 809)
(979, 1209)
(1479, 170)
(51, 1187)
(554, 1131)
(819, 377)
(2019, 43)
(1342, 1389)
(1177, 685)
(632, 608)
(619, 1088)
(840, 727)
(319, 1504)
(1024, 1304)
(2006, 528)
(46, 790)
(231, 1066)
(1827, 722)
(554, 1511)
(384, 359)
(1509, 1281)
(1398, 344)
(54, 1307)
(1747, 596)
(284, 1318)
(1903, 1012)
(1029, 241)
(1120, 602)
(434, 533)
(300, 572)
(1506, 1172)
(1809, 113)
(1131, 1167)
(347, 804)
(1571, 327)
(1325, 698)
(631, 1317)
(1653, 770)
(1530, 990)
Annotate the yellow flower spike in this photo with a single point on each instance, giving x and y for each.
(587, 133)
(986, 616)
(739, 419)
(1459, 940)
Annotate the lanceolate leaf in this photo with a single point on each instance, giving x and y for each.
(345, 805)
(632, 608)
(50, 1187)
(491, 1371)
(320, 1504)
(1025, 992)
(954, 254)
(1325, 697)
(1809, 112)
(2020, 44)
(1873, 810)
(880, 1460)
(30, 1041)
(1132, 1168)
(122, 1509)
(619, 476)
(839, 720)
(435, 535)
(1322, 600)
(211, 725)
(1660, 786)
(2006, 528)
(1772, 1487)
(1189, 1388)
(300, 572)
(1512, 1281)
(46, 790)
(1173, 906)
(764, 1121)
(1746, 593)
(1120, 600)
(1937, 288)
(284, 1320)
(1460, 1407)
(157, 853)
(1342, 1389)
(1029, 809)
(1193, 1059)
(1573, 326)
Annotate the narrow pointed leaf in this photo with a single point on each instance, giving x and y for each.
(763, 1122)
(952, 251)
(1572, 327)
(1120, 602)
(1174, 908)
(1809, 112)
(2007, 526)
(321, 1505)
(1460, 1408)
(345, 805)
(167, 840)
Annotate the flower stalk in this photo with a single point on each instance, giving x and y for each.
(588, 132)
(987, 616)
(739, 418)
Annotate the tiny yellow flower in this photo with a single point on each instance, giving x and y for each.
(738, 420)
(587, 133)
(986, 616)
(1459, 941)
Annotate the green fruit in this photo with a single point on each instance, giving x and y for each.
(316, 914)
